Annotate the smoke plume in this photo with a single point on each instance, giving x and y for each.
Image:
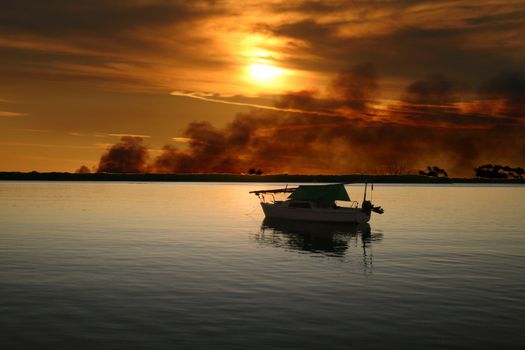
(427, 127)
(507, 92)
(83, 170)
(129, 155)
(358, 86)
(435, 90)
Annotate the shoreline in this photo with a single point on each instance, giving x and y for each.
(278, 178)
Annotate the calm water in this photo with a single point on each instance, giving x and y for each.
(183, 266)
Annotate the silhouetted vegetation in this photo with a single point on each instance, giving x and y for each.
(434, 171)
(276, 178)
(497, 171)
(252, 171)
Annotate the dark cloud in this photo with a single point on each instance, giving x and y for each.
(306, 100)
(129, 155)
(105, 43)
(516, 17)
(436, 90)
(431, 101)
(459, 50)
(509, 88)
(405, 38)
(307, 30)
(94, 17)
(309, 7)
(438, 101)
(357, 86)
(354, 88)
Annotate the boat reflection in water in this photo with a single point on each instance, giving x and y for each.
(328, 239)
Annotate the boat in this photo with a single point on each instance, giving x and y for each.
(316, 203)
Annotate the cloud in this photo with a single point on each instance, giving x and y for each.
(74, 133)
(103, 134)
(126, 44)
(96, 17)
(435, 90)
(182, 139)
(281, 107)
(11, 114)
(130, 135)
(405, 39)
(145, 44)
(507, 92)
(358, 86)
(352, 93)
(381, 108)
(314, 7)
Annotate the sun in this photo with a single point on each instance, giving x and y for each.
(263, 73)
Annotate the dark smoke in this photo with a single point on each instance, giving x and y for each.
(436, 90)
(83, 170)
(279, 142)
(304, 100)
(129, 155)
(510, 89)
(358, 86)
(210, 150)
(307, 144)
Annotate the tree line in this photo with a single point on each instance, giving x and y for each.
(497, 171)
(489, 171)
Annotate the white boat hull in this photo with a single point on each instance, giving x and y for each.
(346, 215)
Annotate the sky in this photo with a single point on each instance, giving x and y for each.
(282, 86)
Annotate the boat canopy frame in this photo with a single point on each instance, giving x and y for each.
(280, 190)
(322, 195)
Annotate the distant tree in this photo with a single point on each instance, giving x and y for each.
(497, 171)
(253, 171)
(434, 171)
(259, 172)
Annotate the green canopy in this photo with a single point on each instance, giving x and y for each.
(322, 194)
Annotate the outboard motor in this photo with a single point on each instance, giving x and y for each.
(378, 210)
(368, 208)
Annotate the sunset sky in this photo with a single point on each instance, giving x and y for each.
(282, 86)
